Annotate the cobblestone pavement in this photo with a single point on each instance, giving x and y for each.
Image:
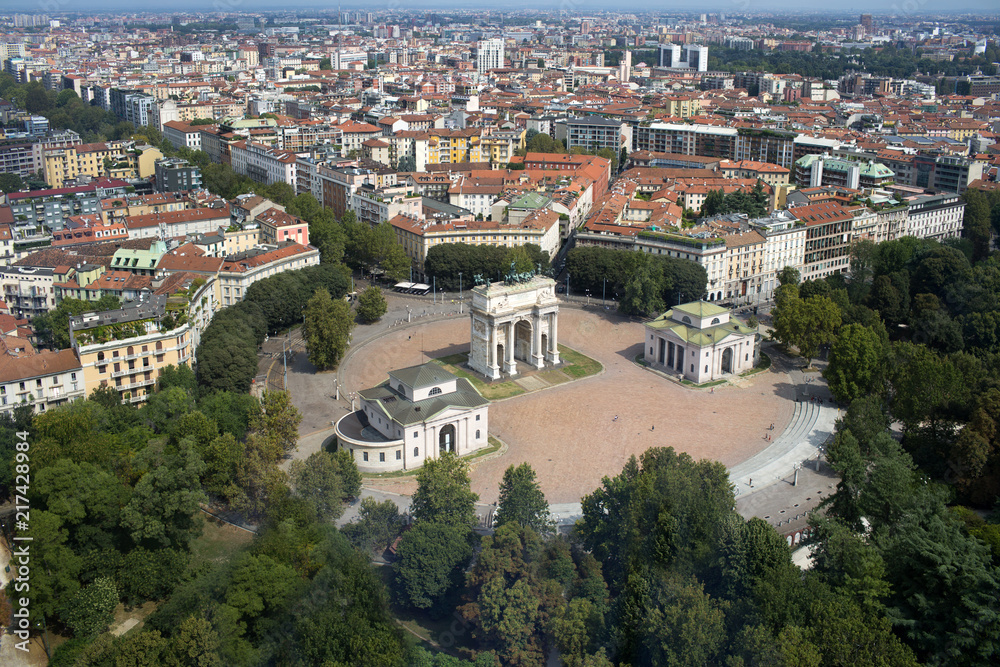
(569, 433)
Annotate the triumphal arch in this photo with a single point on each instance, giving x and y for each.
(514, 320)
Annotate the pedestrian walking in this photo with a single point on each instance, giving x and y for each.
(653, 427)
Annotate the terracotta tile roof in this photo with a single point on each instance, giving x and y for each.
(37, 365)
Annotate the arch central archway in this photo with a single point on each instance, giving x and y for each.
(522, 340)
(446, 439)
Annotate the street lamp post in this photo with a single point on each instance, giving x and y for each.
(567, 284)
(604, 294)
(459, 285)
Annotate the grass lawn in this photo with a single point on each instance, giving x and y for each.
(575, 366)
(704, 385)
(218, 541)
(489, 390)
(554, 377)
(763, 365)
(578, 365)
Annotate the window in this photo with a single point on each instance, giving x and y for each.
(478, 436)
(399, 454)
(477, 417)
(416, 434)
(706, 368)
(72, 376)
(381, 457)
(692, 368)
(434, 392)
(747, 357)
(364, 456)
(416, 451)
(715, 321)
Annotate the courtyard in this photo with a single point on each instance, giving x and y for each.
(572, 433)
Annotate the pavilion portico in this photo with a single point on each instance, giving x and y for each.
(700, 342)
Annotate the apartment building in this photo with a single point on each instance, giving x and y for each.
(785, 246)
(373, 205)
(181, 134)
(701, 140)
(49, 208)
(935, 217)
(276, 226)
(594, 133)
(28, 290)
(176, 175)
(262, 163)
(128, 349)
(177, 223)
(43, 380)
(828, 239)
(240, 271)
(418, 235)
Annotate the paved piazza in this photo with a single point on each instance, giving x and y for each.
(569, 433)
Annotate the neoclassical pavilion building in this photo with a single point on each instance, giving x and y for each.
(700, 342)
(415, 415)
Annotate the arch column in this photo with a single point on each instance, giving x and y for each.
(537, 353)
(510, 366)
(552, 355)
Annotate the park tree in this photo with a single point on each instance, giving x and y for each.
(807, 323)
(55, 575)
(789, 276)
(432, 557)
(505, 600)
(713, 204)
(326, 326)
(231, 411)
(684, 625)
(10, 182)
(976, 454)
(643, 291)
(163, 509)
(522, 501)
(377, 526)
(227, 362)
(92, 610)
(976, 222)
(443, 492)
(371, 305)
(944, 590)
(857, 363)
(318, 481)
(277, 424)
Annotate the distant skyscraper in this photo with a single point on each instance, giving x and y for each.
(670, 55)
(489, 55)
(866, 21)
(695, 56)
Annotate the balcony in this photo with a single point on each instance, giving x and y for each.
(136, 385)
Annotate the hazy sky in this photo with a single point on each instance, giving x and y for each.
(898, 7)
